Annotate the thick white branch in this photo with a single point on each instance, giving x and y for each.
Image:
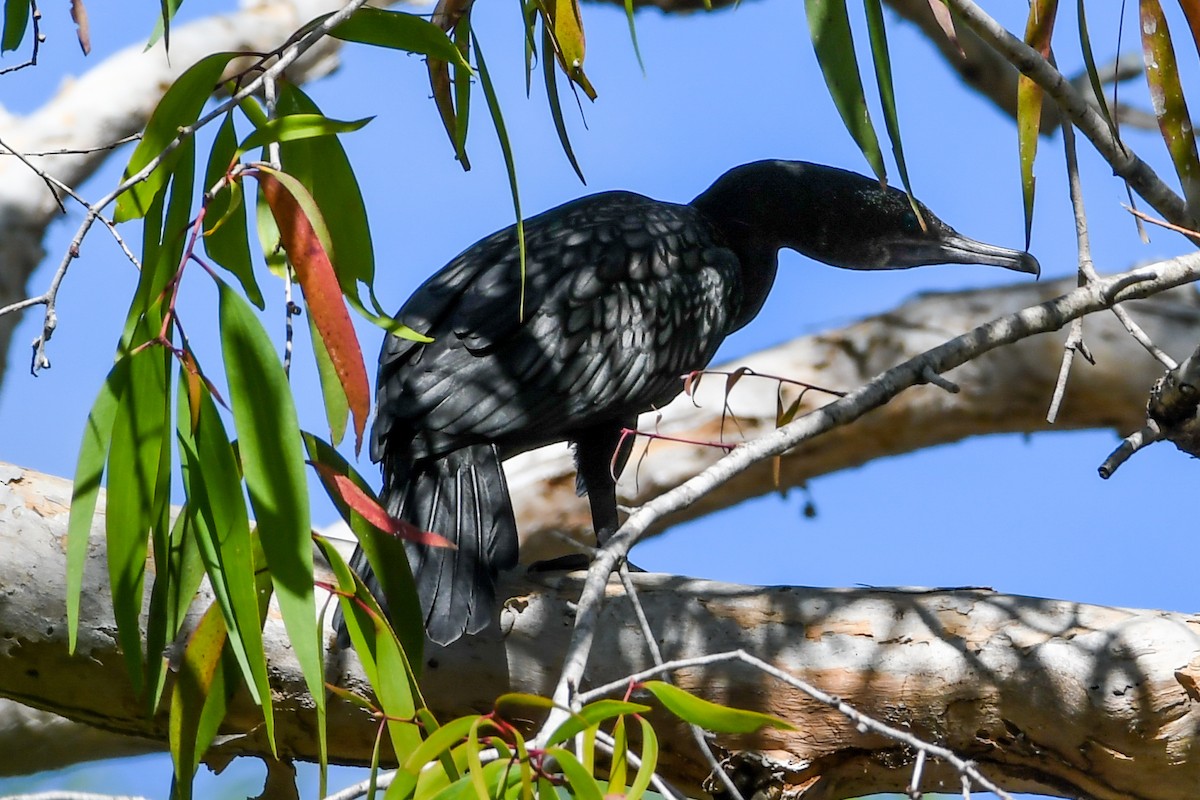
(1048, 696)
(1005, 391)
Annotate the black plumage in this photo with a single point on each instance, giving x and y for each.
(622, 295)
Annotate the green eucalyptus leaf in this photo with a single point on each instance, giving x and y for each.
(273, 466)
(398, 30)
(711, 716)
(834, 45)
(178, 108)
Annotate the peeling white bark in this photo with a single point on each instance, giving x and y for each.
(1005, 391)
(1045, 695)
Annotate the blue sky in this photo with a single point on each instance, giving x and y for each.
(1023, 515)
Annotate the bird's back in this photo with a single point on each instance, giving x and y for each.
(621, 295)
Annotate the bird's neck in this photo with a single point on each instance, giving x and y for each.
(759, 261)
(756, 249)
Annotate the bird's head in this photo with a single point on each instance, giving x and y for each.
(843, 219)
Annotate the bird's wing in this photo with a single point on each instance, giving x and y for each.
(620, 295)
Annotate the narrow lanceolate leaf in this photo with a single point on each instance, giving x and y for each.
(83, 28)
(322, 166)
(163, 233)
(1038, 30)
(133, 485)
(1166, 93)
(16, 21)
(398, 31)
(887, 93)
(583, 785)
(368, 506)
(296, 127)
(1089, 61)
(273, 466)
(89, 469)
(566, 29)
(593, 714)
(223, 528)
(489, 91)
(560, 125)
(322, 293)
(178, 108)
(385, 553)
(452, 98)
(637, 51)
(834, 45)
(620, 759)
(157, 632)
(383, 660)
(462, 88)
(649, 762)
(162, 26)
(941, 15)
(711, 716)
(226, 239)
(436, 744)
(198, 701)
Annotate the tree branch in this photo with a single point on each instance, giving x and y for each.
(1004, 391)
(1044, 695)
(109, 103)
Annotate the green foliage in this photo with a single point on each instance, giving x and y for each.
(179, 108)
(16, 22)
(1166, 93)
(834, 45)
(711, 716)
(157, 406)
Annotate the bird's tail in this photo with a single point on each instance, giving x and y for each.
(462, 496)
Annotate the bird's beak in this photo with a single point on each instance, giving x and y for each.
(958, 249)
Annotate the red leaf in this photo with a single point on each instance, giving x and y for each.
(314, 271)
(372, 512)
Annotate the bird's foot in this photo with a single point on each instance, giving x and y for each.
(571, 563)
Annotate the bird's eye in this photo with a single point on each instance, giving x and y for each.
(909, 222)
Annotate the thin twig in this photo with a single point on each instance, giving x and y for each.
(77, 151)
(1135, 441)
(656, 655)
(862, 722)
(1049, 316)
(288, 56)
(1075, 107)
(35, 18)
(1087, 270)
(74, 195)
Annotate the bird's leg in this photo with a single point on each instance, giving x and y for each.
(600, 454)
(598, 462)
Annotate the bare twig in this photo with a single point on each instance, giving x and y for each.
(1042, 318)
(288, 55)
(1075, 107)
(656, 655)
(1087, 271)
(61, 186)
(35, 18)
(928, 375)
(1135, 441)
(862, 722)
(77, 151)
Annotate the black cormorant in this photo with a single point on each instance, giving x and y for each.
(622, 295)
